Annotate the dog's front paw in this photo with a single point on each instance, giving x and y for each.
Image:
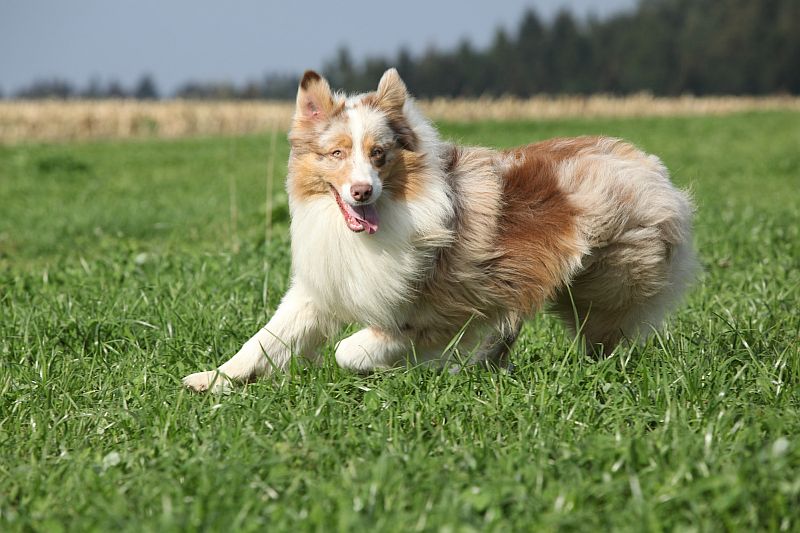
(212, 380)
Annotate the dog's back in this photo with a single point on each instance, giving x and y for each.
(591, 225)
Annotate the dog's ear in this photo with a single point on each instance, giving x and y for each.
(314, 98)
(392, 92)
(391, 96)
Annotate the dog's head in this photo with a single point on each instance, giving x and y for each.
(349, 148)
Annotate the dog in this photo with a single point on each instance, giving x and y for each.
(422, 241)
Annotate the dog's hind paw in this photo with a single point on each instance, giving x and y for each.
(211, 380)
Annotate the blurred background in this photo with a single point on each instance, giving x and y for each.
(147, 49)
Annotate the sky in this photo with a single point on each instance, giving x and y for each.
(237, 40)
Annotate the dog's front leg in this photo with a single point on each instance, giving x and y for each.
(296, 327)
(370, 349)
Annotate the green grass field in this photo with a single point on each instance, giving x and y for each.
(126, 265)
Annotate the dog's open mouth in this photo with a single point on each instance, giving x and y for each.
(358, 218)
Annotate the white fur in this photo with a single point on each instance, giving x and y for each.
(363, 172)
(366, 350)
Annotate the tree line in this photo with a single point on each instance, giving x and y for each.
(144, 89)
(271, 86)
(666, 47)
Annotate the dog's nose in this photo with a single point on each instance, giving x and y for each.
(361, 193)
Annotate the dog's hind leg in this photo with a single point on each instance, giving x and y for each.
(495, 347)
(626, 293)
(296, 327)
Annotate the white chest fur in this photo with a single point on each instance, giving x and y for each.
(365, 278)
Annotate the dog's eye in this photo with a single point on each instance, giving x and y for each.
(376, 152)
(337, 154)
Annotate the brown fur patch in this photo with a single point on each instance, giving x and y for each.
(404, 175)
(537, 237)
(312, 167)
(368, 144)
(340, 141)
(558, 149)
(304, 172)
(452, 158)
(370, 100)
(309, 77)
(405, 136)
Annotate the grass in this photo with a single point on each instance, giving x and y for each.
(126, 265)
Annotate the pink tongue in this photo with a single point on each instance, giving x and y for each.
(358, 218)
(368, 216)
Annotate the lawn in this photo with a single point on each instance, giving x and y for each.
(126, 265)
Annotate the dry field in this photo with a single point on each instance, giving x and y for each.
(74, 120)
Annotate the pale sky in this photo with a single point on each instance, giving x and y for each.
(237, 40)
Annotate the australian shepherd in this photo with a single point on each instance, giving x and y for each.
(422, 241)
